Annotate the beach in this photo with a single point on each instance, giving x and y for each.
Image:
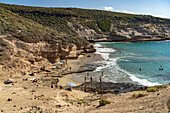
(76, 65)
(26, 96)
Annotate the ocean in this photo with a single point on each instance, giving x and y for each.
(146, 63)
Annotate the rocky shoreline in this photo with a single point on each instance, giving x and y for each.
(131, 40)
(85, 64)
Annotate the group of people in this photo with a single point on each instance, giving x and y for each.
(91, 79)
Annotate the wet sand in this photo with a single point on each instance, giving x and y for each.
(76, 65)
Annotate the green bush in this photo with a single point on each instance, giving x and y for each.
(103, 102)
(139, 95)
(160, 86)
(152, 89)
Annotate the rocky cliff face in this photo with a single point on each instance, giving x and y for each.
(20, 55)
(123, 32)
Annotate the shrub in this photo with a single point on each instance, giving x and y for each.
(139, 95)
(160, 86)
(103, 102)
(152, 89)
(25, 87)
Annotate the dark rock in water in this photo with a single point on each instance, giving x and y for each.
(112, 87)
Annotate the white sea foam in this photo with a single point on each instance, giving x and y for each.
(138, 80)
(105, 52)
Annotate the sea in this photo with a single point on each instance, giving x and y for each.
(145, 63)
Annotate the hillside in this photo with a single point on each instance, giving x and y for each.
(25, 44)
(38, 36)
(96, 25)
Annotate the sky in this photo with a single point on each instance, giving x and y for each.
(158, 8)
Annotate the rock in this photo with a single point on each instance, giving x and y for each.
(31, 61)
(9, 99)
(33, 90)
(13, 93)
(168, 104)
(141, 107)
(58, 106)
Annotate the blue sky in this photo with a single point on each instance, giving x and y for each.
(159, 8)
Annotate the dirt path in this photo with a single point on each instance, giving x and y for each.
(9, 42)
(2, 36)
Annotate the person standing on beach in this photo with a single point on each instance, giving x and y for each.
(101, 82)
(85, 78)
(66, 61)
(91, 80)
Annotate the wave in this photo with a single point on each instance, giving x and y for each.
(138, 80)
(105, 52)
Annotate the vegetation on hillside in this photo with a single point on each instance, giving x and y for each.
(100, 21)
(3, 53)
(30, 31)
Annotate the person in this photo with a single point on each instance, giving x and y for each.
(140, 69)
(61, 87)
(161, 68)
(102, 73)
(85, 78)
(85, 88)
(66, 61)
(91, 79)
(51, 84)
(70, 68)
(100, 79)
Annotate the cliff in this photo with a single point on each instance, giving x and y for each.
(96, 25)
(27, 45)
(39, 36)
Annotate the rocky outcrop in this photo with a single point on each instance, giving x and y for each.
(35, 52)
(18, 55)
(123, 32)
(72, 51)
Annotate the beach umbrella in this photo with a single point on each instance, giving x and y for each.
(60, 63)
(71, 84)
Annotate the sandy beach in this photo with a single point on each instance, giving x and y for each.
(27, 97)
(76, 65)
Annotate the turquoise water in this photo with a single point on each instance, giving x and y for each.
(124, 60)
